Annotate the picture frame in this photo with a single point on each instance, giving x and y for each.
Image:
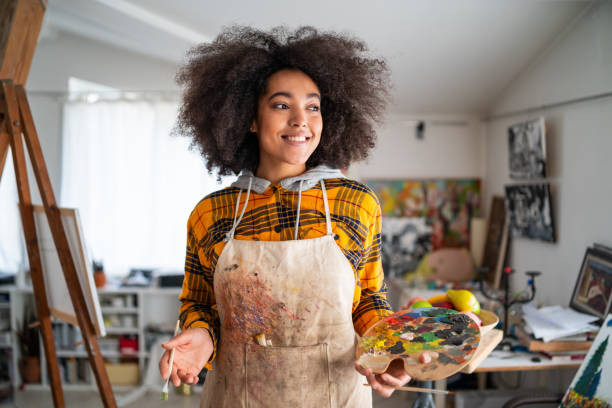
(530, 212)
(527, 150)
(593, 290)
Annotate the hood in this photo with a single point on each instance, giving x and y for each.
(309, 179)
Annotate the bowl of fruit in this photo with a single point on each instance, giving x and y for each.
(462, 301)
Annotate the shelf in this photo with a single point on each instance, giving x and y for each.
(119, 310)
(105, 354)
(122, 330)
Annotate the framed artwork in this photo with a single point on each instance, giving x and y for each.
(593, 291)
(448, 206)
(527, 150)
(58, 297)
(405, 241)
(592, 384)
(530, 211)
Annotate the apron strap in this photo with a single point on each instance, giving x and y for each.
(327, 217)
(232, 231)
(297, 218)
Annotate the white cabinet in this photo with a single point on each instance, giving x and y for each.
(133, 317)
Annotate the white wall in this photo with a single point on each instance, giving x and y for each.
(579, 148)
(446, 151)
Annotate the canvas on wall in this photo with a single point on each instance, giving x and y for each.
(530, 212)
(405, 241)
(448, 205)
(592, 385)
(527, 150)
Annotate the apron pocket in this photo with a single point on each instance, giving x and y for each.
(287, 376)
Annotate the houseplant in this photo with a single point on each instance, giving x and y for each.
(29, 347)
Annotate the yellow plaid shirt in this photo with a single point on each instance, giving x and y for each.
(356, 222)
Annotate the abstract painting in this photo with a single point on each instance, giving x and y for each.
(527, 150)
(530, 212)
(448, 205)
(405, 241)
(592, 385)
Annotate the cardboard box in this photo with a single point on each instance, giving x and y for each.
(122, 373)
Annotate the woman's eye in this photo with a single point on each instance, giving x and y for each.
(280, 106)
(314, 108)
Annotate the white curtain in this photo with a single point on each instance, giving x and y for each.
(133, 183)
(12, 249)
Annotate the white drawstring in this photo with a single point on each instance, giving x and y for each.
(297, 219)
(230, 233)
(327, 218)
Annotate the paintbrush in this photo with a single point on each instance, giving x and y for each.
(417, 389)
(164, 394)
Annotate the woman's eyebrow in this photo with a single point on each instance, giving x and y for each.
(288, 95)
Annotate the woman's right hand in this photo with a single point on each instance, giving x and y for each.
(193, 349)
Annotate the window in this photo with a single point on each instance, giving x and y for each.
(133, 183)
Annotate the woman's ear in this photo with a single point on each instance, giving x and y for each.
(253, 128)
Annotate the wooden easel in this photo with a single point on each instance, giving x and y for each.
(20, 23)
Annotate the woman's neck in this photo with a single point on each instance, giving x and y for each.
(274, 174)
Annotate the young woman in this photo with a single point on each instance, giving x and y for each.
(284, 266)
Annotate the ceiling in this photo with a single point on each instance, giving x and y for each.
(451, 57)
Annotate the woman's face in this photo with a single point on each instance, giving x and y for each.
(289, 121)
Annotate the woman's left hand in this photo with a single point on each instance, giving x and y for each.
(395, 376)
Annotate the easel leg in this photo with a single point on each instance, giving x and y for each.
(4, 145)
(63, 250)
(13, 126)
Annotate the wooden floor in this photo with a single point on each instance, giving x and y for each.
(90, 399)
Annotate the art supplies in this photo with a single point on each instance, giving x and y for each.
(449, 337)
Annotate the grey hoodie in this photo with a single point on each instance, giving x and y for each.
(308, 179)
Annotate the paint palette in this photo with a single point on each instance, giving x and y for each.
(449, 337)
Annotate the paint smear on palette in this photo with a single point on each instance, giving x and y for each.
(450, 338)
(248, 307)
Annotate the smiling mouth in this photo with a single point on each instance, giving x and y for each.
(296, 139)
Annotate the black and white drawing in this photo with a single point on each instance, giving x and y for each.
(527, 150)
(530, 212)
(405, 241)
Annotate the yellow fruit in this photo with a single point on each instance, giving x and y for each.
(464, 300)
(439, 299)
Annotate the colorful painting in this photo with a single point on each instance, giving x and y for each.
(449, 337)
(527, 150)
(405, 241)
(592, 385)
(448, 205)
(530, 211)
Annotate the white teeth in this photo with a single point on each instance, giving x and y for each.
(296, 138)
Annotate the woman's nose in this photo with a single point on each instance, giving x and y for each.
(298, 119)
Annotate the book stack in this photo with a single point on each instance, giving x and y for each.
(566, 348)
(559, 333)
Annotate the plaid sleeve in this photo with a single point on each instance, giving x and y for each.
(198, 306)
(373, 305)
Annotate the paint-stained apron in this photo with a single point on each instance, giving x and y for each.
(299, 294)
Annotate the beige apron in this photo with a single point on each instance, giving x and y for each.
(299, 294)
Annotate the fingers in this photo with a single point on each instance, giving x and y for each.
(183, 338)
(425, 358)
(164, 363)
(377, 385)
